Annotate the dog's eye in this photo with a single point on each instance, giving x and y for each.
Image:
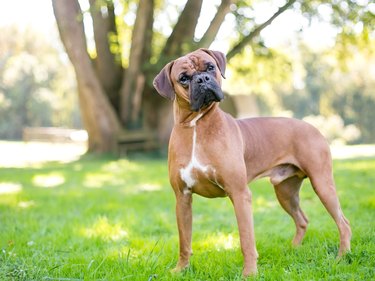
(184, 79)
(210, 67)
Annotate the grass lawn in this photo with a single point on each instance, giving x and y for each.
(109, 219)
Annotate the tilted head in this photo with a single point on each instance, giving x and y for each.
(195, 77)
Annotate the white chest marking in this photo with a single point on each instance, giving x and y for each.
(187, 173)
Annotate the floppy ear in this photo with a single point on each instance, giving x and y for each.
(162, 82)
(220, 59)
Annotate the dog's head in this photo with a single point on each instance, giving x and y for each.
(195, 77)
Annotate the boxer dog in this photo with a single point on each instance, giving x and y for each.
(214, 155)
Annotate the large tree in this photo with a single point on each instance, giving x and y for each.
(115, 90)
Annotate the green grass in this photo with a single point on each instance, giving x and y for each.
(108, 219)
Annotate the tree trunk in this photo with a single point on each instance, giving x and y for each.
(107, 63)
(211, 32)
(158, 112)
(182, 37)
(135, 77)
(97, 114)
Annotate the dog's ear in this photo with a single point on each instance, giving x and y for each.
(220, 59)
(162, 82)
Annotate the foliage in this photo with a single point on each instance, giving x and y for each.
(333, 128)
(108, 219)
(354, 94)
(261, 72)
(350, 16)
(331, 86)
(302, 81)
(34, 87)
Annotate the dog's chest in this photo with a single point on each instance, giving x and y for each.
(188, 173)
(195, 173)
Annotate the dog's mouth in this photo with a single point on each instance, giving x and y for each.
(204, 94)
(205, 98)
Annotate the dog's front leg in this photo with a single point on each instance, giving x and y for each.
(184, 224)
(241, 200)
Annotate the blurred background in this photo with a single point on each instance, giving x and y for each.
(81, 71)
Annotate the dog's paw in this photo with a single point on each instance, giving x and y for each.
(251, 271)
(179, 268)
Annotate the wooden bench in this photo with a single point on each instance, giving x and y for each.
(52, 134)
(141, 140)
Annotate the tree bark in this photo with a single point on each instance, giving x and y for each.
(135, 77)
(107, 63)
(97, 114)
(256, 31)
(182, 37)
(211, 32)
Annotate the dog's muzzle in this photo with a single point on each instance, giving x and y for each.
(204, 91)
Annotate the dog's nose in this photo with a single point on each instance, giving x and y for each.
(201, 78)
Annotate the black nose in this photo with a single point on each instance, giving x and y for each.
(203, 77)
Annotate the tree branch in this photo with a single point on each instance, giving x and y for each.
(211, 32)
(134, 78)
(70, 24)
(108, 64)
(182, 35)
(98, 116)
(247, 39)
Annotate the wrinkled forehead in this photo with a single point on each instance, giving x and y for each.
(191, 63)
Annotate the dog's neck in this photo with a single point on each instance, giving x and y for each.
(187, 118)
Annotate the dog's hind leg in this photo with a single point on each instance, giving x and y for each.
(324, 187)
(287, 193)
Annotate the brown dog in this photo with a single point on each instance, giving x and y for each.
(214, 155)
